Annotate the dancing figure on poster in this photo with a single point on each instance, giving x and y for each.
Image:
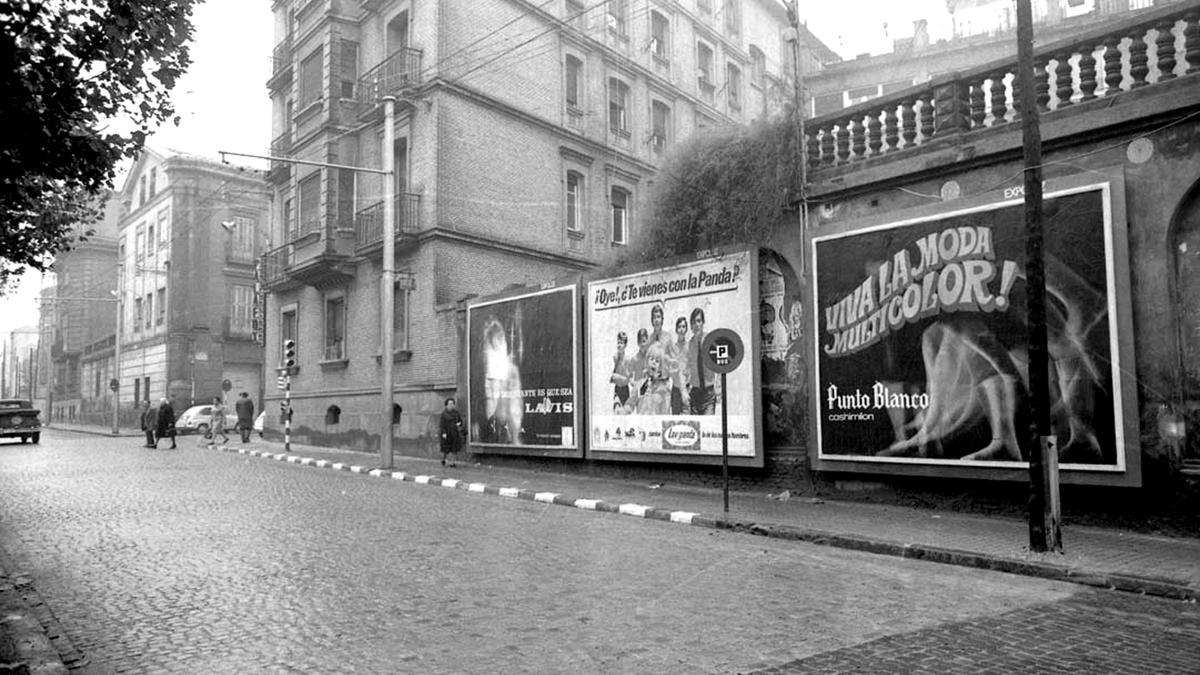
(622, 375)
(656, 395)
(970, 376)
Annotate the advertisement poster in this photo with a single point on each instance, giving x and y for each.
(921, 335)
(784, 353)
(521, 372)
(650, 395)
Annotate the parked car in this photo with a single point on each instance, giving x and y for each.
(258, 423)
(19, 419)
(196, 419)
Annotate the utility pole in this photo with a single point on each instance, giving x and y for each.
(116, 390)
(388, 282)
(387, 308)
(798, 95)
(1045, 532)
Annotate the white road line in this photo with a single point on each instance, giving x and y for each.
(547, 497)
(476, 487)
(633, 510)
(589, 504)
(451, 482)
(424, 480)
(509, 492)
(684, 517)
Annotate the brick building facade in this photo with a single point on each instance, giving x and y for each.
(527, 137)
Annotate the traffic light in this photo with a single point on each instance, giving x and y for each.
(289, 354)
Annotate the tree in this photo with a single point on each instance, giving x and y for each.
(84, 82)
(733, 185)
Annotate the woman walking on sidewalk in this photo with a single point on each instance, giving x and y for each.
(452, 428)
(150, 424)
(165, 424)
(217, 426)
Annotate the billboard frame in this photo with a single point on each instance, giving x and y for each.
(753, 361)
(575, 450)
(1127, 472)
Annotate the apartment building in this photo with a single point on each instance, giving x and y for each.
(527, 135)
(189, 233)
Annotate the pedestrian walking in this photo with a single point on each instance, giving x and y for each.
(149, 424)
(164, 426)
(452, 431)
(216, 426)
(245, 414)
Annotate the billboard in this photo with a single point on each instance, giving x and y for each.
(921, 333)
(522, 373)
(650, 397)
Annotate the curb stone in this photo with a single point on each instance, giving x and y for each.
(1145, 585)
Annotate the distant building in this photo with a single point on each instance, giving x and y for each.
(181, 257)
(527, 137)
(984, 31)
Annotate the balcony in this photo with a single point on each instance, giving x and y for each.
(321, 253)
(368, 223)
(281, 63)
(275, 264)
(396, 75)
(1104, 75)
(280, 147)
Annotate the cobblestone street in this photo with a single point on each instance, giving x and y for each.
(193, 561)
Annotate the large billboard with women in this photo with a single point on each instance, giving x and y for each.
(522, 375)
(650, 395)
(921, 334)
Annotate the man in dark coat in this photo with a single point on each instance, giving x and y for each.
(452, 428)
(245, 414)
(149, 423)
(165, 427)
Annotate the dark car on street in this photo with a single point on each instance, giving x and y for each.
(19, 419)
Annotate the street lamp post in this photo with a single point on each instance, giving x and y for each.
(387, 291)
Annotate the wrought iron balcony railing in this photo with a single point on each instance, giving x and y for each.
(398, 72)
(368, 223)
(275, 263)
(281, 56)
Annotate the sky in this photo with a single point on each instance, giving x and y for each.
(224, 105)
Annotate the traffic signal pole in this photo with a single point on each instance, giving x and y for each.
(287, 413)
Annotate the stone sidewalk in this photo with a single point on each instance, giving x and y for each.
(1102, 557)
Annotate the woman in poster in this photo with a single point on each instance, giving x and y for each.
(503, 403)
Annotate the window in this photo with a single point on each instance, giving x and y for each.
(704, 7)
(153, 181)
(733, 85)
(139, 242)
(348, 69)
(733, 18)
(618, 11)
(310, 79)
(150, 238)
(345, 199)
(163, 236)
(149, 310)
(618, 105)
(138, 314)
(287, 331)
(574, 201)
(704, 65)
(289, 222)
(660, 124)
(400, 313)
(141, 190)
(335, 328)
(137, 389)
(241, 309)
(574, 72)
(660, 31)
(161, 304)
(310, 204)
(758, 66)
(242, 239)
(620, 216)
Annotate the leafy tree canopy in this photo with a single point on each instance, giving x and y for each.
(84, 82)
(730, 186)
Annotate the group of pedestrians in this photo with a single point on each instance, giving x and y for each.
(159, 423)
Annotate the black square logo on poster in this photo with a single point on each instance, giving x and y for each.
(922, 332)
(521, 370)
